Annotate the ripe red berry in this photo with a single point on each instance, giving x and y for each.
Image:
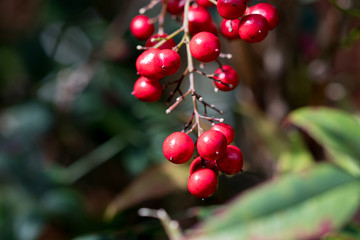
(175, 7)
(197, 164)
(211, 145)
(253, 28)
(268, 11)
(225, 129)
(226, 78)
(141, 27)
(231, 9)
(152, 41)
(232, 161)
(145, 64)
(147, 90)
(199, 20)
(205, 47)
(230, 31)
(167, 61)
(178, 147)
(204, 3)
(203, 183)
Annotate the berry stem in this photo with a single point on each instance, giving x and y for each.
(149, 6)
(191, 68)
(162, 17)
(168, 37)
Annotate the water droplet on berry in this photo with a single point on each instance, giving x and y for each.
(203, 199)
(217, 50)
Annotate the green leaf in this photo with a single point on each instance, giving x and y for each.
(295, 206)
(337, 131)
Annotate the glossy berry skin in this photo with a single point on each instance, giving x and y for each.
(225, 129)
(145, 64)
(178, 147)
(204, 3)
(253, 28)
(196, 164)
(167, 61)
(211, 145)
(141, 27)
(205, 47)
(175, 7)
(203, 183)
(268, 11)
(147, 90)
(225, 28)
(232, 161)
(228, 78)
(231, 9)
(199, 20)
(169, 44)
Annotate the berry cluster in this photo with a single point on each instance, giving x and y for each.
(215, 154)
(160, 58)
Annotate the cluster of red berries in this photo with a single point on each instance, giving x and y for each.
(215, 154)
(161, 58)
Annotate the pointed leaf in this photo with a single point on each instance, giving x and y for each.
(295, 206)
(337, 131)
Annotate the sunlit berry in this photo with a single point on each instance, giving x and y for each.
(211, 145)
(203, 183)
(147, 90)
(205, 47)
(178, 147)
(226, 78)
(141, 27)
(231, 162)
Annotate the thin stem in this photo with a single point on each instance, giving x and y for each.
(168, 37)
(149, 6)
(172, 227)
(191, 67)
(162, 17)
(178, 101)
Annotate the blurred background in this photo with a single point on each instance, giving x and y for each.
(79, 155)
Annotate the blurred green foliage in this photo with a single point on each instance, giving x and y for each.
(79, 155)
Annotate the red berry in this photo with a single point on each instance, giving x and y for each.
(197, 164)
(145, 64)
(268, 11)
(203, 183)
(167, 61)
(212, 29)
(253, 28)
(225, 129)
(204, 3)
(232, 161)
(231, 9)
(205, 47)
(147, 90)
(141, 27)
(211, 145)
(152, 41)
(230, 31)
(175, 7)
(226, 78)
(178, 147)
(199, 20)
